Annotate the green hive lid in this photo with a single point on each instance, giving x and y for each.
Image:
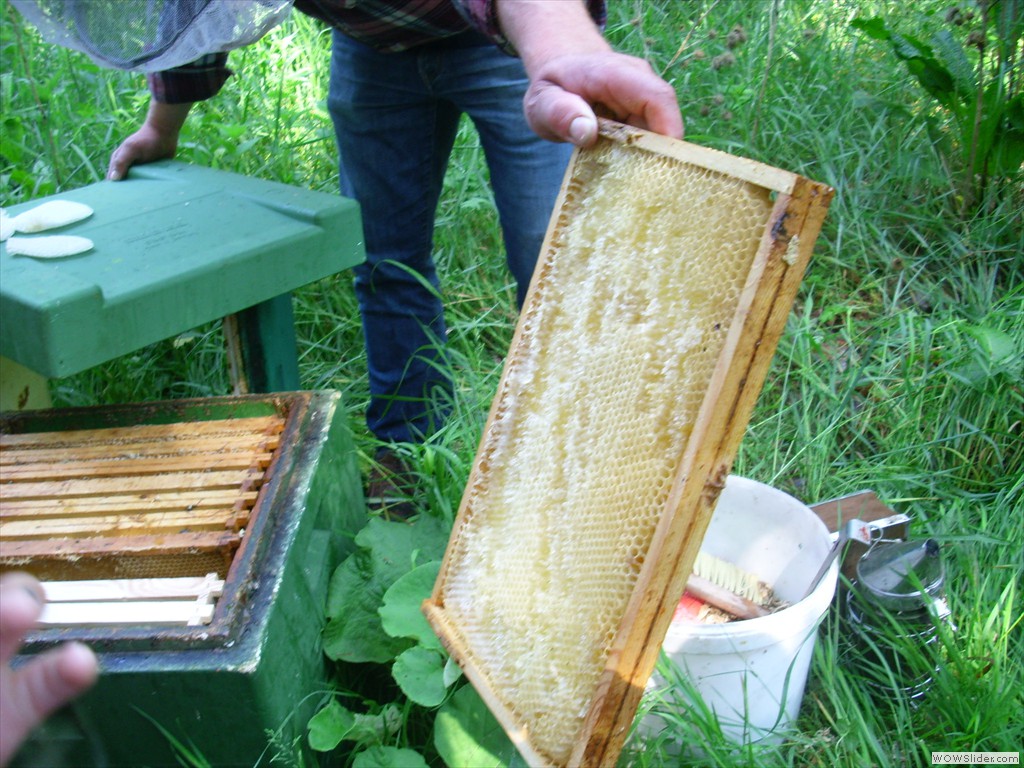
(175, 246)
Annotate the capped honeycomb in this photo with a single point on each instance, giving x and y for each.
(642, 290)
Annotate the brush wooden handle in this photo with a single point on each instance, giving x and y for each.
(723, 599)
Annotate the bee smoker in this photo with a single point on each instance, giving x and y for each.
(894, 610)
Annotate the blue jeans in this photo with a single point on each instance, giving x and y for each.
(396, 116)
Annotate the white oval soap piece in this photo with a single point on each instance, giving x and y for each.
(48, 246)
(6, 225)
(51, 215)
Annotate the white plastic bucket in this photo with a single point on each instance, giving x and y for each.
(752, 673)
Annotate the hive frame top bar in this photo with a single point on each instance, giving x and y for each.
(732, 295)
(751, 171)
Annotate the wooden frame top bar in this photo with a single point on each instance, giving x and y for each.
(743, 168)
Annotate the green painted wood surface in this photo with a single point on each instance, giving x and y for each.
(269, 350)
(176, 246)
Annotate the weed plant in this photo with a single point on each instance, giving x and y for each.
(900, 369)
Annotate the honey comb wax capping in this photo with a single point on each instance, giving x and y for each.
(662, 288)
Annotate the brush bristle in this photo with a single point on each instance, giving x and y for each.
(730, 577)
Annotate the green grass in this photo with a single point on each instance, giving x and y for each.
(900, 369)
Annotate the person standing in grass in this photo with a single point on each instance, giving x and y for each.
(530, 74)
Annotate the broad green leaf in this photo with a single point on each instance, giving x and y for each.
(335, 723)
(353, 631)
(874, 27)
(1007, 154)
(935, 79)
(919, 58)
(419, 672)
(402, 613)
(1009, 25)
(384, 552)
(1015, 112)
(996, 347)
(950, 52)
(328, 727)
(389, 757)
(909, 47)
(452, 672)
(998, 137)
(1007, 151)
(995, 353)
(466, 733)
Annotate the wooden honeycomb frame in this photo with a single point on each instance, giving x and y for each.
(484, 619)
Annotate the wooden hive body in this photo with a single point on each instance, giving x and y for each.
(147, 522)
(135, 524)
(663, 287)
(252, 668)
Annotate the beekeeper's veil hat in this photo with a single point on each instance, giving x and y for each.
(152, 35)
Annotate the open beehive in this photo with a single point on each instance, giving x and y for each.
(140, 515)
(148, 500)
(136, 524)
(664, 284)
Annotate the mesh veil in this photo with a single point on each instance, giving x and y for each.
(152, 35)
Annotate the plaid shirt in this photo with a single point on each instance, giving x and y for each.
(387, 25)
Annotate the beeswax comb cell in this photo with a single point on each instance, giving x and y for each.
(662, 288)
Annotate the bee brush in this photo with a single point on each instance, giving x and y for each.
(727, 587)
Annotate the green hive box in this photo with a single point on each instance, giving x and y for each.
(259, 665)
(175, 246)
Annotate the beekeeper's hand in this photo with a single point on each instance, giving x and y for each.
(157, 139)
(575, 75)
(32, 692)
